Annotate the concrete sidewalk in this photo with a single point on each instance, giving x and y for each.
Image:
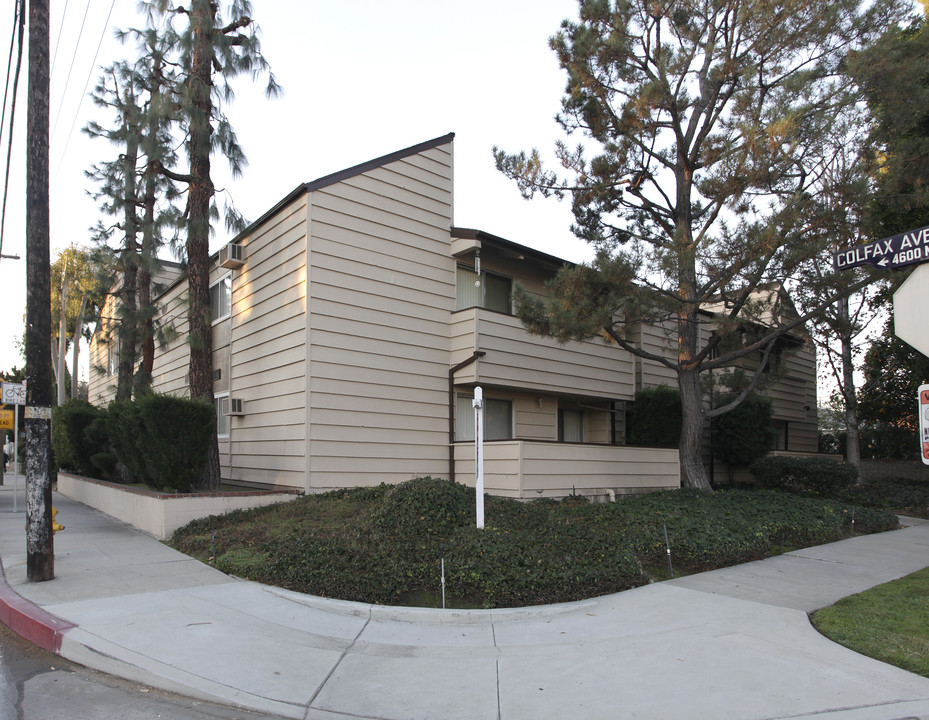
(735, 643)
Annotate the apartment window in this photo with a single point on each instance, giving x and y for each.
(618, 411)
(112, 359)
(775, 364)
(222, 416)
(221, 298)
(571, 426)
(487, 290)
(779, 435)
(498, 418)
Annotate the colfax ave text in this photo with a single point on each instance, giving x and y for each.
(893, 252)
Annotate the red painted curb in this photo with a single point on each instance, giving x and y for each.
(29, 621)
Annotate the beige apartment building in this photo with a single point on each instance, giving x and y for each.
(353, 321)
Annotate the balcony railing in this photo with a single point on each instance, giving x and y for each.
(518, 359)
(529, 469)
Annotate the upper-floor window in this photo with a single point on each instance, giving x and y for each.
(221, 298)
(775, 364)
(486, 290)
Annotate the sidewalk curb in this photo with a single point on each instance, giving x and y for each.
(29, 621)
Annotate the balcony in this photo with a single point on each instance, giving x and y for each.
(529, 469)
(517, 359)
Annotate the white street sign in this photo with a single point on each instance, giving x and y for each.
(924, 422)
(911, 303)
(14, 393)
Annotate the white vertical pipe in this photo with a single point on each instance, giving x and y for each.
(478, 404)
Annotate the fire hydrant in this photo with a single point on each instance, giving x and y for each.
(55, 526)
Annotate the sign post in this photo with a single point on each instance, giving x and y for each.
(14, 394)
(924, 422)
(478, 404)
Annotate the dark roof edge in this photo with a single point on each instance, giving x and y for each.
(471, 234)
(335, 177)
(377, 162)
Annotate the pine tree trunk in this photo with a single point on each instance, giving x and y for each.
(693, 474)
(143, 378)
(852, 439)
(126, 335)
(40, 553)
(128, 329)
(198, 224)
(690, 452)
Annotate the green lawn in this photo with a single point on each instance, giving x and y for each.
(889, 622)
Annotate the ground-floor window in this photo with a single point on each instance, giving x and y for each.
(571, 426)
(222, 414)
(780, 434)
(498, 418)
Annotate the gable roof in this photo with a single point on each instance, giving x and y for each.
(341, 175)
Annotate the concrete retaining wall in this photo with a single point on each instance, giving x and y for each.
(160, 514)
(881, 469)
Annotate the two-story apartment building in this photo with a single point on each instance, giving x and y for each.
(353, 320)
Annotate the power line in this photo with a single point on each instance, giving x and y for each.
(9, 153)
(80, 34)
(64, 14)
(90, 72)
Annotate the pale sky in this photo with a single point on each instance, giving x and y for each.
(360, 79)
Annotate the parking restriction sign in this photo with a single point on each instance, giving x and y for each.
(924, 422)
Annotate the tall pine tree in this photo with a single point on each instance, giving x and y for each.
(215, 46)
(700, 116)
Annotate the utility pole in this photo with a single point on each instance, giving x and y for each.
(40, 554)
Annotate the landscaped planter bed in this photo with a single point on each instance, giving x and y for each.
(158, 513)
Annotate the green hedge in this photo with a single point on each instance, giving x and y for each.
(73, 448)
(175, 439)
(813, 476)
(744, 434)
(655, 419)
(160, 440)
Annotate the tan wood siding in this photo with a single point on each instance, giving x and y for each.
(525, 469)
(268, 354)
(381, 288)
(517, 359)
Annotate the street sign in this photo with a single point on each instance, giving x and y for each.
(924, 422)
(910, 304)
(900, 250)
(6, 419)
(14, 393)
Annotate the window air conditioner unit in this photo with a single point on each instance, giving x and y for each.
(236, 406)
(232, 255)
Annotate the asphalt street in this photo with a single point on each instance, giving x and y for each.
(36, 685)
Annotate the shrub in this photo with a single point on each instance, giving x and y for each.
(743, 434)
(805, 476)
(174, 440)
(126, 433)
(424, 508)
(74, 447)
(568, 561)
(900, 495)
(656, 418)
